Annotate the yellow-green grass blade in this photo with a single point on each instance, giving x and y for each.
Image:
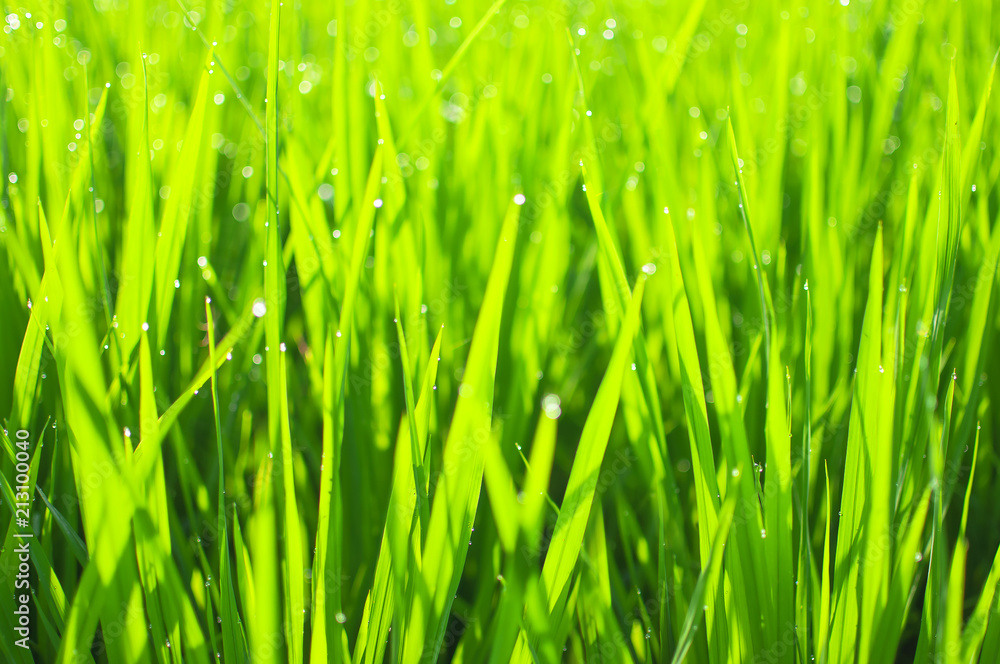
(147, 550)
(399, 554)
(803, 575)
(954, 604)
(47, 296)
(907, 561)
(91, 124)
(450, 66)
(244, 572)
(616, 297)
(136, 278)
(175, 219)
(273, 600)
(274, 270)
(293, 563)
(708, 578)
(858, 500)
(106, 513)
(17, 249)
(823, 623)
(265, 640)
(703, 463)
(979, 334)
(777, 529)
(734, 444)
(518, 575)
(948, 235)
(567, 537)
(601, 634)
(744, 207)
(502, 493)
(979, 635)
(234, 647)
(878, 505)
(395, 187)
(972, 151)
(899, 50)
(76, 545)
(328, 551)
(456, 496)
(681, 43)
(241, 329)
(416, 456)
(992, 638)
(933, 617)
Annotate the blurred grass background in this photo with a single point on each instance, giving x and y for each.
(660, 277)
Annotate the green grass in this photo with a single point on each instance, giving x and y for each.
(396, 330)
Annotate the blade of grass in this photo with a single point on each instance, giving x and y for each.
(456, 497)
(233, 644)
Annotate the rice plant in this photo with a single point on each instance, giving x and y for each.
(497, 331)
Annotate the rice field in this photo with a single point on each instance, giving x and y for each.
(499, 331)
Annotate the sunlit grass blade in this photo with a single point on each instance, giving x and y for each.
(702, 458)
(567, 538)
(399, 554)
(457, 494)
(777, 497)
(328, 547)
(858, 498)
(174, 222)
(232, 636)
(450, 66)
(709, 577)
